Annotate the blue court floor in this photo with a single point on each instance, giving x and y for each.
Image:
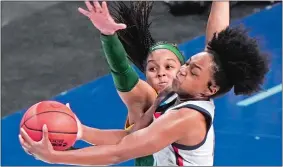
(248, 129)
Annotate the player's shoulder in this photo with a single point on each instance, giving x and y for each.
(144, 91)
(183, 119)
(185, 113)
(195, 108)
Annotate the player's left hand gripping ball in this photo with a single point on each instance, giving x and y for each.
(41, 150)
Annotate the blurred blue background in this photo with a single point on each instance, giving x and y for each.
(248, 129)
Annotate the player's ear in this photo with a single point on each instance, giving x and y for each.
(212, 89)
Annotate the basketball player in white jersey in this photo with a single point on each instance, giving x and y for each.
(182, 133)
(160, 64)
(218, 19)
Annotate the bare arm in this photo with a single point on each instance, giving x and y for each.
(147, 117)
(138, 100)
(107, 137)
(96, 136)
(145, 120)
(219, 18)
(102, 137)
(136, 94)
(140, 143)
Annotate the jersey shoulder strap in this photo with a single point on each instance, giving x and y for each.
(166, 103)
(206, 108)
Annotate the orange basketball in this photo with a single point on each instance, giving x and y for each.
(60, 120)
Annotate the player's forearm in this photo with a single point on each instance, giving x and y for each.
(124, 76)
(147, 117)
(102, 137)
(131, 146)
(94, 155)
(145, 120)
(219, 18)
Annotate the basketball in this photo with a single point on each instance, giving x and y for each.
(60, 120)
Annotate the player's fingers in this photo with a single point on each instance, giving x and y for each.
(68, 105)
(27, 151)
(121, 26)
(105, 8)
(97, 6)
(23, 143)
(26, 137)
(88, 5)
(25, 146)
(84, 12)
(36, 158)
(45, 133)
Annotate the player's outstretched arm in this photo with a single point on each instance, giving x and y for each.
(219, 18)
(108, 137)
(96, 136)
(140, 143)
(136, 94)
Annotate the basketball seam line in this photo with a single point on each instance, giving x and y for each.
(48, 112)
(39, 130)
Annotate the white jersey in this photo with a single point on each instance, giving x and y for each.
(201, 154)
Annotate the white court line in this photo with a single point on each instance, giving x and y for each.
(260, 96)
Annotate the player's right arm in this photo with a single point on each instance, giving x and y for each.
(136, 94)
(108, 137)
(96, 136)
(176, 125)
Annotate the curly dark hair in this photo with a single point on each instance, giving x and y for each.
(239, 63)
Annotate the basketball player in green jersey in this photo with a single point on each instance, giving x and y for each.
(126, 34)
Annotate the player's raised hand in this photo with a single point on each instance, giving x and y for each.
(101, 18)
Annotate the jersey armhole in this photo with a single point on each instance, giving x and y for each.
(208, 119)
(204, 112)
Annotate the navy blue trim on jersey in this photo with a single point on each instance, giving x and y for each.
(208, 119)
(185, 147)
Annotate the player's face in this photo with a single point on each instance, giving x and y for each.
(162, 66)
(194, 77)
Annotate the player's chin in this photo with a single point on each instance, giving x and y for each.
(160, 88)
